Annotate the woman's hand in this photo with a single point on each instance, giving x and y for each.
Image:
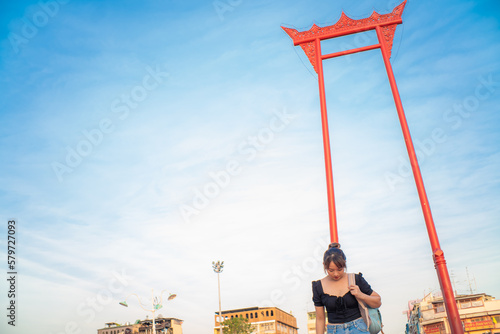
(373, 300)
(355, 291)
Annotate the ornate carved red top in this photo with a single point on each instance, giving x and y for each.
(346, 26)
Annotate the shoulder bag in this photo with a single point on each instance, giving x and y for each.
(371, 316)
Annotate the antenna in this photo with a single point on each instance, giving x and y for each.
(469, 281)
(452, 276)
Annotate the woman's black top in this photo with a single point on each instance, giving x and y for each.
(340, 309)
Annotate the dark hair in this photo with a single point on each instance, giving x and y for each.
(334, 254)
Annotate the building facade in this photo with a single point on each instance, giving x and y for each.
(116, 328)
(163, 326)
(311, 322)
(264, 320)
(479, 313)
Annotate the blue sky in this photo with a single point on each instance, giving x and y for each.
(142, 140)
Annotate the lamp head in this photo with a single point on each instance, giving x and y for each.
(124, 304)
(218, 266)
(172, 296)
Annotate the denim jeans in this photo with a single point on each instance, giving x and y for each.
(357, 326)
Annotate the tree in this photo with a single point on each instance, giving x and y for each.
(236, 326)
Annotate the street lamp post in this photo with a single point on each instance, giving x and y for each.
(218, 267)
(156, 304)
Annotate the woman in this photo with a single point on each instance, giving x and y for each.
(341, 300)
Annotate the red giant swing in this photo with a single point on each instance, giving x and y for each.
(385, 27)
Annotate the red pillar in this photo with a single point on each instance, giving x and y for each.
(438, 255)
(326, 146)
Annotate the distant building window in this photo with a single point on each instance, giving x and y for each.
(438, 308)
(272, 313)
(251, 315)
(256, 315)
(246, 315)
(267, 313)
(477, 303)
(467, 304)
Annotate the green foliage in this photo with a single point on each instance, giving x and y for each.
(236, 326)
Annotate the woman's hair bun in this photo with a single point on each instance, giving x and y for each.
(334, 245)
(334, 254)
